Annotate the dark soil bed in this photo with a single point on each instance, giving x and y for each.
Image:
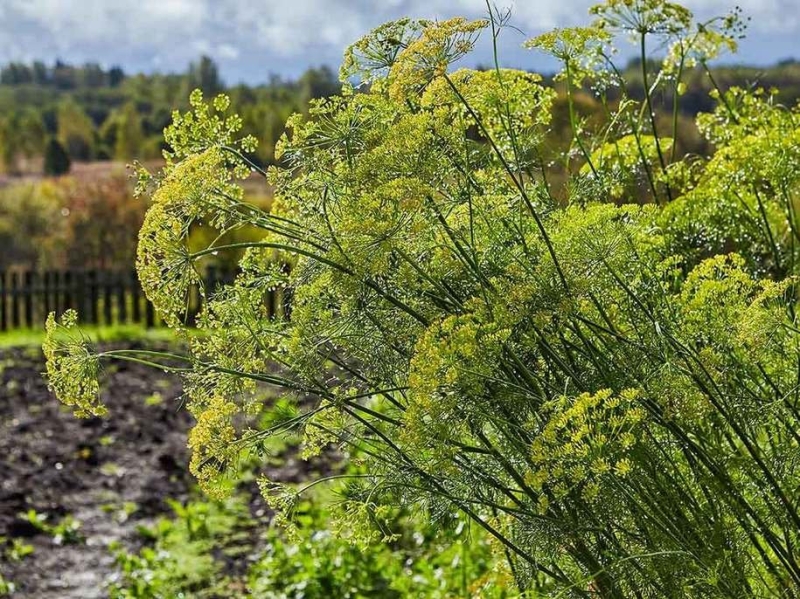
(111, 474)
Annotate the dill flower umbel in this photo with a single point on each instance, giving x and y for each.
(72, 366)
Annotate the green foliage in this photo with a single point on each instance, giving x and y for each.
(65, 532)
(21, 138)
(30, 219)
(589, 351)
(179, 563)
(56, 159)
(316, 563)
(75, 131)
(105, 114)
(190, 555)
(15, 550)
(128, 137)
(6, 587)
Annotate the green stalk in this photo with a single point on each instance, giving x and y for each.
(651, 113)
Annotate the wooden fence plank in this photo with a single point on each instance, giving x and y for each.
(103, 297)
(55, 283)
(68, 287)
(92, 314)
(3, 297)
(105, 285)
(28, 284)
(122, 300)
(47, 302)
(15, 323)
(136, 298)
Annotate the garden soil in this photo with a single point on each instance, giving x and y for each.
(111, 474)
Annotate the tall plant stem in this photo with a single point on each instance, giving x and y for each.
(650, 112)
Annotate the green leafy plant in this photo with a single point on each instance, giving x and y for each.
(6, 587)
(312, 561)
(591, 352)
(189, 555)
(178, 561)
(18, 550)
(65, 532)
(56, 159)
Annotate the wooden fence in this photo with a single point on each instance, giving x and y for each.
(101, 297)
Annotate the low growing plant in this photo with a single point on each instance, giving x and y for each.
(190, 554)
(65, 532)
(590, 353)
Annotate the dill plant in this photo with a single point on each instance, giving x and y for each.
(591, 353)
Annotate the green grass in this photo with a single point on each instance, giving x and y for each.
(132, 332)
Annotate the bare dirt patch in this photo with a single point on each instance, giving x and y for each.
(111, 474)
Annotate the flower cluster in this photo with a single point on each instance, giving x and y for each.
(642, 17)
(582, 50)
(429, 56)
(72, 367)
(211, 442)
(583, 440)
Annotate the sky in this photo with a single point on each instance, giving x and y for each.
(251, 39)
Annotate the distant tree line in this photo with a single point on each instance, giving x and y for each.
(53, 115)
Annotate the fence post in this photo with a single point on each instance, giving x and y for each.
(80, 294)
(105, 283)
(55, 285)
(28, 281)
(15, 300)
(91, 281)
(3, 294)
(122, 304)
(46, 303)
(68, 295)
(136, 297)
(149, 314)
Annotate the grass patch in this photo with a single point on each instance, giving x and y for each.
(98, 334)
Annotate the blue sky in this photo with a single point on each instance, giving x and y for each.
(250, 39)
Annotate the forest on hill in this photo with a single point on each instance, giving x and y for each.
(89, 113)
(92, 113)
(54, 116)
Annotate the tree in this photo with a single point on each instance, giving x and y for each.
(31, 134)
(103, 220)
(318, 83)
(6, 145)
(204, 75)
(75, 131)
(115, 76)
(129, 138)
(21, 138)
(64, 76)
(56, 159)
(15, 73)
(92, 75)
(31, 226)
(41, 75)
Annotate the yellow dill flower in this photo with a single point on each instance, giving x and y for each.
(72, 367)
(211, 441)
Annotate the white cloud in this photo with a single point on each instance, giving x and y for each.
(281, 33)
